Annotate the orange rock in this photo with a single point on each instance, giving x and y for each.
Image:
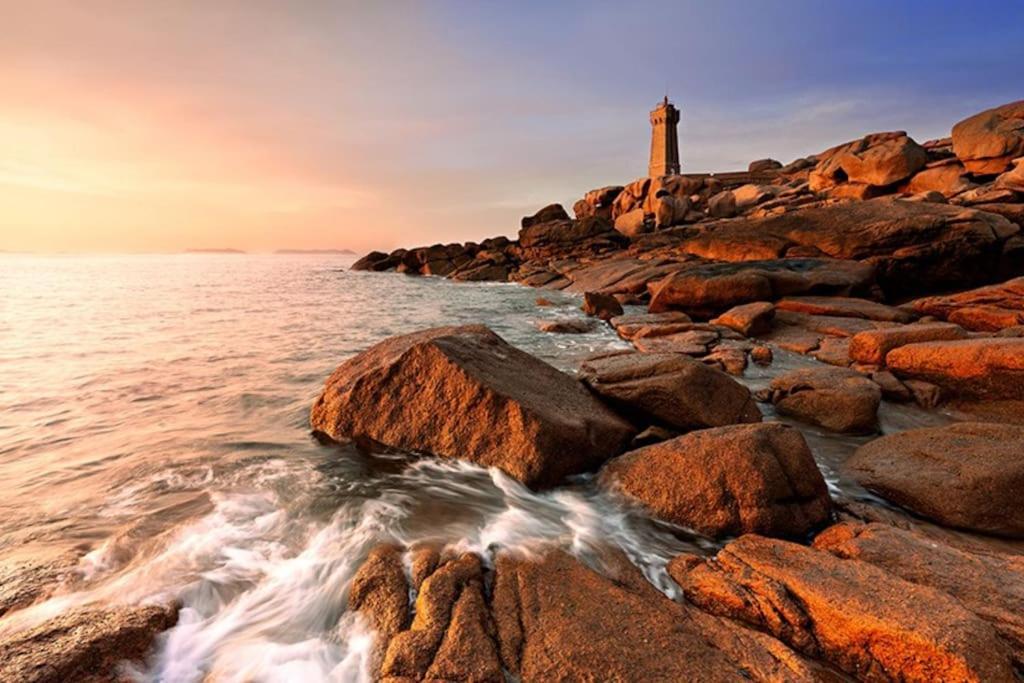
(987, 142)
(838, 399)
(986, 308)
(739, 479)
(872, 346)
(968, 475)
(603, 306)
(463, 392)
(991, 368)
(748, 319)
(864, 620)
(844, 307)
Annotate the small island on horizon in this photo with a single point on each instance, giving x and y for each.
(315, 251)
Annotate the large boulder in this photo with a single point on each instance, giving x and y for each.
(872, 346)
(710, 289)
(727, 481)
(967, 475)
(669, 389)
(722, 205)
(838, 399)
(463, 392)
(763, 165)
(633, 223)
(916, 247)
(946, 178)
(564, 232)
(878, 159)
(597, 202)
(988, 142)
(551, 212)
(984, 368)
(988, 308)
(989, 584)
(864, 620)
(86, 644)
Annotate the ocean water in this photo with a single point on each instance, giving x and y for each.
(154, 420)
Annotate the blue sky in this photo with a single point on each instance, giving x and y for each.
(171, 124)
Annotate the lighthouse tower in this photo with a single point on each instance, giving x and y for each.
(664, 140)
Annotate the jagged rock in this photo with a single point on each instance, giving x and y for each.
(669, 389)
(844, 307)
(915, 247)
(380, 592)
(738, 479)
(558, 620)
(872, 346)
(989, 584)
(454, 391)
(985, 368)
(748, 319)
(715, 287)
(84, 645)
(601, 306)
(838, 399)
(987, 142)
(988, 308)
(967, 475)
(866, 621)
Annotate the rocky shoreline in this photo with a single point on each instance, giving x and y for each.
(897, 266)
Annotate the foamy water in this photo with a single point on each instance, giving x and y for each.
(154, 420)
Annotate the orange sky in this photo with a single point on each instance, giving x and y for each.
(255, 124)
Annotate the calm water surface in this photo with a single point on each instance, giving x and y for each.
(154, 420)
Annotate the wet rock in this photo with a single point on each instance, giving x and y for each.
(988, 308)
(628, 326)
(738, 479)
(732, 360)
(669, 389)
(558, 620)
(601, 306)
(762, 355)
(692, 342)
(873, 346)
(453, 392)
(838, 399)
(565, 326)
(713, 288)
(985, 368)
(24, 582)
(844, 307)
(379, 592)
(966, 475)
(989, 584)
(987, 142)
(551, 212)
(87, 645)
(866, 621)
(748, 319)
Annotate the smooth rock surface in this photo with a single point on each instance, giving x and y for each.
(836, 398)
(983, 368)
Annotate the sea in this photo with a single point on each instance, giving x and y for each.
(154, 425)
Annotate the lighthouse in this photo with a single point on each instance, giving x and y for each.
(664, 140)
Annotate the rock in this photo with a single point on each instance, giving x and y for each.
(967, 475)
(542, 301)
(762, 165)
(878, 159)
(722, 205)
(476, 271)
(988, 308)
(565, 234)
(24, 582)
(630, 325)
(669, 210)
(379, 591)
(872, 346)
(986, 143)
(947, 179)
(1012, 179)
(87, 644)
(692, 342)
(565, 326)
(738, 479)
(558, 620)
(748, 319)
(915, 247)
(892, 388)
(844, 307)
(632, 223)
(751, 195)
(669, 389)
(369, 261)
(864, 620)
(838, 399)
(925, 394)
(597, 202)
(989, 584)
(762, 355)
(453, 392)
(715, 287)
(985, 368)
(551, 212)
(618, 275)
(601, 306)
(733, 361)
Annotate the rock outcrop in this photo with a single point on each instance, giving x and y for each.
(727, 481)
(864, 620)
(873, 346)
(990, 308)
(966, 475)
(463, 392)
(985, 368)
(987, 142)
(670, 390)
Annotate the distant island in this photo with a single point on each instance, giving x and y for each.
(315, 251)
(214, 251)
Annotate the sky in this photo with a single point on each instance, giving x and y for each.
(161, 125)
